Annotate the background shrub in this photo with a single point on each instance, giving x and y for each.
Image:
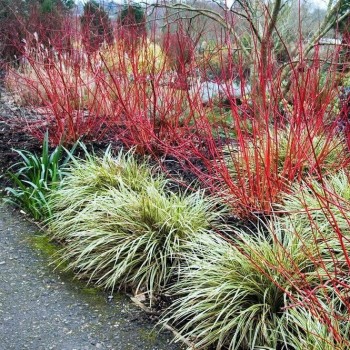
(96, 27)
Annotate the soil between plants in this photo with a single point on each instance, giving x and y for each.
(12, 133)
(43, 308)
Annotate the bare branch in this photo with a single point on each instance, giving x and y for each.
(328, 23)
(211, 14)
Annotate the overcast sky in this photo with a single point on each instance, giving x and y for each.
(320, 3)
(316, 3)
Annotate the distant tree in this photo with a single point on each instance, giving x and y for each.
(132, 21)
(18, 18)
(48, 18)
(265, 20)
(49, 6)
(96, 26)
(344, 29)
(11, 29)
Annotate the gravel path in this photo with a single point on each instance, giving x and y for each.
(42, 308)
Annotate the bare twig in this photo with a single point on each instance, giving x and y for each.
(211, 14)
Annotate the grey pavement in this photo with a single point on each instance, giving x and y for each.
(43, 308)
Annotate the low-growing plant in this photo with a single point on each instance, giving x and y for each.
(307, 331)
(320, 212)
(136, 239)
(35, 177)
(316, 205)
(233, 294)
(95, 176)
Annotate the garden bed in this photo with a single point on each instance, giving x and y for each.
(227, 215)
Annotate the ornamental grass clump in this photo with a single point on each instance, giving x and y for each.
(94, 176)
(128, 238)
(233, 295)
(320, 205)
(311, 333)
(320, 212)
(122, 228)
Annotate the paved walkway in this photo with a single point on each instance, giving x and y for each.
(42, 308)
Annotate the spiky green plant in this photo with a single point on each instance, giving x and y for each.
(320, 207)
(232, 295)
(35, 177)
(135, 238)
(110, 171)
(306, 331)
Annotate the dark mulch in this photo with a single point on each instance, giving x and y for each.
(12, 133)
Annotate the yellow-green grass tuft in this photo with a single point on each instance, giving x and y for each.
(233, 294)
(136, 239)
